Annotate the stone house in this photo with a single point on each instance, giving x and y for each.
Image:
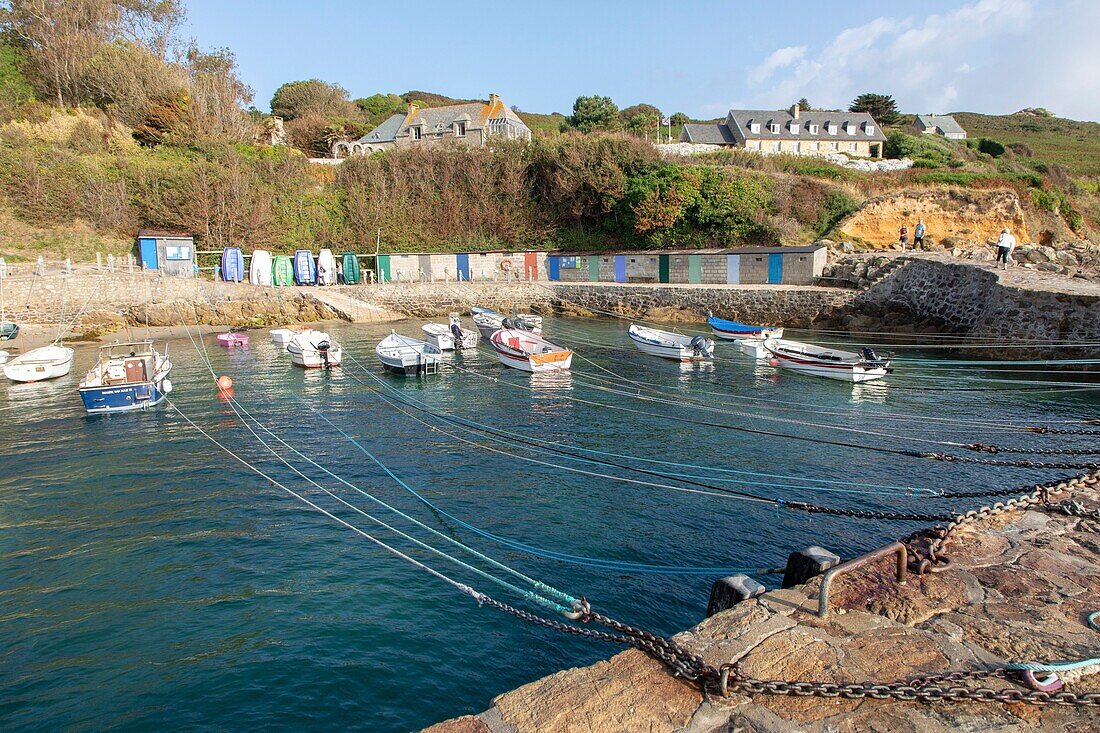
(792, 131)
(739, 266)
(940, 125)
(471, 123)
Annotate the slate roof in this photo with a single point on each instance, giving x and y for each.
(739, 122)
(440, 119)
(944, 124)
(714, 134)
(386, 132)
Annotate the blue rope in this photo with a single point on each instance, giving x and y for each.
(1060, 666)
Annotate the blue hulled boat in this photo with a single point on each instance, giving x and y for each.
(127, 376)
(732, 330)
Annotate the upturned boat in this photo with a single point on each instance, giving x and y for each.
(450, 336)
(846, 366)
(127, 376)
(521, 349)
(326, 267)
(314, 350)
(38, 365)
(670, 345)
(259, 268)
(233, 338)
(733, 331)
(408, 356)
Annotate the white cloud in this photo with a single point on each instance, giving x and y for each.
(986, 55)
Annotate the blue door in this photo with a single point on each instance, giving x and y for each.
(775, 268)
(148, 249)
(620, 268)
(553, 265)
(462, 262)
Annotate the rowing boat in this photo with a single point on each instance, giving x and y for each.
(529, 352)
(670, 345)
(732, 330)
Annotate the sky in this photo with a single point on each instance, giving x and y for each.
(702, 58)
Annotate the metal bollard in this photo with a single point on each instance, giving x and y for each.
(728, 592)
(808, 563)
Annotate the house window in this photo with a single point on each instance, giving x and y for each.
(754, 145)
(852, 147)
(813, 146)
(812, 128)
(754, 127)
(834, 146)
(775, 146)
(460, 129)
(849, 128)
(415, 132)
(832, 129)
(796, 147)
(870, 129)
(793, 128)
(774, 127)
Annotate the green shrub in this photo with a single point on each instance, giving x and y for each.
(991, 147)
(1072, 216)
(1044, 200)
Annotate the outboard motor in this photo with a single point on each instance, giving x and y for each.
(322, 349)
(521, 324)
(701, 346)
(508, 323)
(871, 357)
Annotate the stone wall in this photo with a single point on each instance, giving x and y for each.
(427, 300)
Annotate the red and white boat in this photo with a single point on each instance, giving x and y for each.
(846, 366)
(528, 351)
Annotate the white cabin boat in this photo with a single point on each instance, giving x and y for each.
(408, 356)
(528, 351)
(37, 365)
(846, 366)
(127, 376)
(671, 345)
(314, 350)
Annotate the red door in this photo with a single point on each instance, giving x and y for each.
(531, 265)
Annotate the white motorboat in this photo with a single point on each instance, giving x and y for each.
(127, 376)
(314, 350)
(521, 349)
(847, 366)
(671, 345)
(37, 365)
(451, 336)
(408, 356)
(282, 336)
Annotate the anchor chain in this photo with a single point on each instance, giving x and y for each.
(950, 458)
(1073, 508)
(865, 513)
(1061, 431)
(983, 448)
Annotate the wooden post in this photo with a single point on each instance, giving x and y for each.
(808, 563)
(728, 592)
(98, 261)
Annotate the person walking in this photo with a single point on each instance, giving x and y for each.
(903, 236)
(918, 235)
(1005, 244)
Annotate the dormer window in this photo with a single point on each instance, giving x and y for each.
(415, 132)
(870, 129)
(774, 127)
(849, 128)
(812, 128)
(460, 129)
(832, 129)
(754, 128)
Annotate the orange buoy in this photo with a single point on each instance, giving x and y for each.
(225, 383)
(773, 362)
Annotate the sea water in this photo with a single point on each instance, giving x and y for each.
(150, 580)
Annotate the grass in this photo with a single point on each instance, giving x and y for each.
(1073, 145)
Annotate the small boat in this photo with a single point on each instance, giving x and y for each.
(408, 356)
(8, 330)
(525, 350)
(326, 267)
(752, 347)
(259, 268)
(314, 350)
(233, 338)
(732, 330)
(37, 365)
(282, 336)
(127, 376)
(671, 345)
(282, 271)
(847, 366)
(490, 323)
(451, 336)
(350, 263)
(305, 270)
(232, 265)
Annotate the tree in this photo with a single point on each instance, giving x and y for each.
(647, 110)
(127, 79)
(218, 96)
(380, 104)
(804, 104)
(311, 97)
(880, 106)
(595, 113)
(679, 118)
(154, 24)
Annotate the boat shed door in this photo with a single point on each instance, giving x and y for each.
(147, 247)
(462, 265)
(593, 268)
(553, 267)
(662, 269)
(620, 268)
(384, 269)
(695, 269)
(733, 269)
(531, 265)
(775, 268)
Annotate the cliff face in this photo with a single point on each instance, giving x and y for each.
(954, 217)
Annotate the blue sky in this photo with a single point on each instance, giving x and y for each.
(992, 56)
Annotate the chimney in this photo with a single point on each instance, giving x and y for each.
(493, 99)
(794, 111)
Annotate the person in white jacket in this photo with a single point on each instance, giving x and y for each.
(1005, 245)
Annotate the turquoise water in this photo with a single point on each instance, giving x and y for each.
(148, 580)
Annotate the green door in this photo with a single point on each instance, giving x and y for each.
(384, 269)
(695, 268)
(593, 268)
(663, 269)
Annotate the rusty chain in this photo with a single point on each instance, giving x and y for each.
(951, 458)
(983, 448)
(864, 513)
(1073, 509)
(1062, 431)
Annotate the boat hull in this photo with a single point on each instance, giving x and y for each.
(669, 345)
(442, 340)
(533, 363)
(847, 368)
(407, 356)
(312, 358)
(665, 351)
(529, 353)
(38, 365)
(122, 398)
(232, 339)
(752, 347)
